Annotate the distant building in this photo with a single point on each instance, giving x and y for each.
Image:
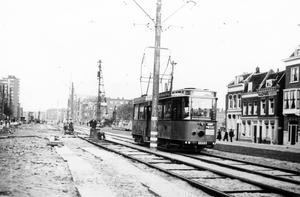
(11, 86)
(114, 103)
(220, 118)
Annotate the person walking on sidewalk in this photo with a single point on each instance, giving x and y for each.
(231, 134)
(219, 137)
(225, 136)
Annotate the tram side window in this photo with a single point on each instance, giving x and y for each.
(186, 108)
(167, 111)
(136, 112)
(177, 110)
(142, 113)
(159, 107)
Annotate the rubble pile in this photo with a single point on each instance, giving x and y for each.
(7, 130)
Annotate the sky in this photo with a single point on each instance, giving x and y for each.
(49, 45)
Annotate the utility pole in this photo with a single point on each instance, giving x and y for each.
(99, 93)
(155, 95)
(172, 75)
(3, 99)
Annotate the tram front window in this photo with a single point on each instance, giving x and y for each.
(201, 108)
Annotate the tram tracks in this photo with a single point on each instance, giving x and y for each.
(285, 175)
(212, 178)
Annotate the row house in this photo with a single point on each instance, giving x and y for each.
(233, 104)
(291, 102)
(259, 117)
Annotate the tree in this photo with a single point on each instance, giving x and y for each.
(7, 110)
(125, 112)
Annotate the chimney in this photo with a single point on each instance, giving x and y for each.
(257, 70)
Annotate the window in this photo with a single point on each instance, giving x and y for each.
(262, 107)
(294, 74)
(167, 111)
(141, 113)
(202, 108)
(250, 87)
(269, 83)
(255, 108)
(249, 108)
(297, 52)
(297, 99)
(230, 101)
(159, 109)
(292, 100)
(136, 112)
(177, 108)
(234, 101)
(186, 108)
(286, 100)
(271, 106)
(244, 108)
(239, 100)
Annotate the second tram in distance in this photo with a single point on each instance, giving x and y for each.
(186, 119)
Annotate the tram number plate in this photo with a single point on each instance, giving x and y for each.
(210, 132)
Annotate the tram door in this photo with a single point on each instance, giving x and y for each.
(148, 121)
(293, 128)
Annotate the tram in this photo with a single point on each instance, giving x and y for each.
(186, 119)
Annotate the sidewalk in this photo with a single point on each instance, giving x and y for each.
(284, 148)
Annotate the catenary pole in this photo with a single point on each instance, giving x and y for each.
(155, 95)
(99, 93)
(72, 102)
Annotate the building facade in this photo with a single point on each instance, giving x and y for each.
(234, 104)
(291, 100)
(114, 103)
(11, 95)
(257, 115)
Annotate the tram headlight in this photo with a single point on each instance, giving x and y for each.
(201, 133)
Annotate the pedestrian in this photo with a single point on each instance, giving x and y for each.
(65, 124)
(225, 136)
(231, 134)
(219, 137)
(93, 123)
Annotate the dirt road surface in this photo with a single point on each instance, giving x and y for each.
(30, 167)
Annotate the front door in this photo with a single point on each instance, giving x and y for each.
(237, 131)
(260, 134)
(293, 128)
(255, 133)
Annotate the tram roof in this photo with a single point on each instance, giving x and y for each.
(179, 93)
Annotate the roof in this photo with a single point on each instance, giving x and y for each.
(275, 77)
(242, 80)
(256, 80)
(295, 52)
